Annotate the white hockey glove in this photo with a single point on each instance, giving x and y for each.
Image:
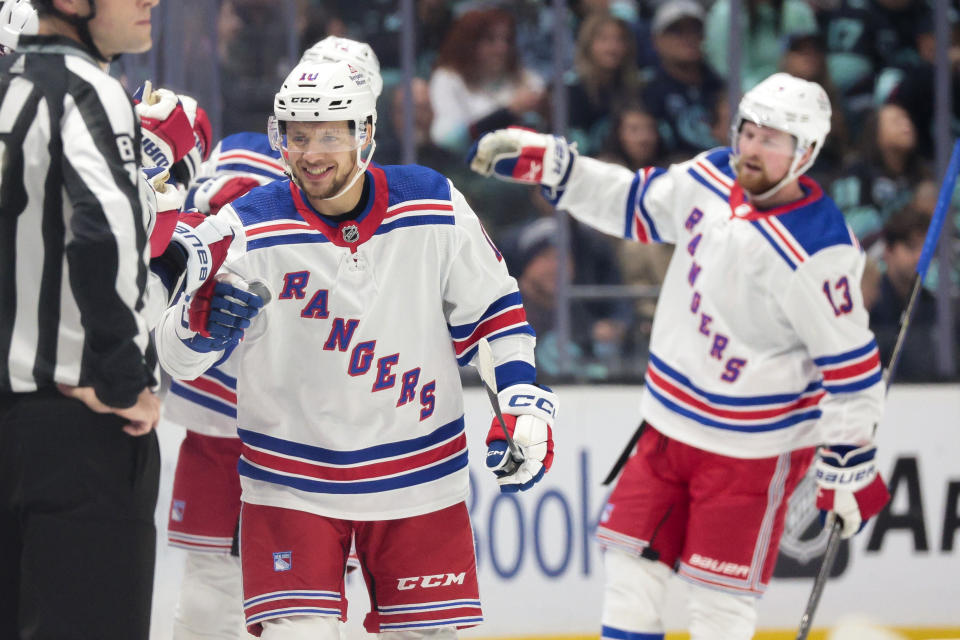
(525, 156)
(529, 412)
(849, 487)
(167, 131)
(166, 202)
(205, 241)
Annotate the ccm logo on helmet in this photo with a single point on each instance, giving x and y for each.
(304, 99)
(427, 582)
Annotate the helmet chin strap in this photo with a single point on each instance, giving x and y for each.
(794, 173)
(361, 167)
(82, 23)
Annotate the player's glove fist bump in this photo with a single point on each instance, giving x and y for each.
(521, 155)
(529, 412)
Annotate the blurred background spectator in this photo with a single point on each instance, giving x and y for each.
(682, 89)
(606, 77)
(478, 83)
(765, 24)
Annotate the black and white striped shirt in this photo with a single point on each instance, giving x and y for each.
(73, 230)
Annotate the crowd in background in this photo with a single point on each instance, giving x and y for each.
(646, 85)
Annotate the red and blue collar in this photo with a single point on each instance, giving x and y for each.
(348, 233)
(741, 207)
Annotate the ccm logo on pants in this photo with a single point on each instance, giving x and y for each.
(439, 580)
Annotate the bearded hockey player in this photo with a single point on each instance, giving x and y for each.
(760, 352)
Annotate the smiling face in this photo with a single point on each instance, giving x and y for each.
(322, 156)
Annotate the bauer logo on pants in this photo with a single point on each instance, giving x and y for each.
(282, 560)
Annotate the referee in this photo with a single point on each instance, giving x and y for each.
(79, 461)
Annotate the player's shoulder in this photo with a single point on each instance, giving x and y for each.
(411, 183)
(712, 168)
(248, 153)
(248, 141)
(816, 223)
(272, 201)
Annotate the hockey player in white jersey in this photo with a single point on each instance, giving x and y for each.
(760, 352)
(349, 403)
(205, 505)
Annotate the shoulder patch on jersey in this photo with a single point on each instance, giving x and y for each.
(414, 182)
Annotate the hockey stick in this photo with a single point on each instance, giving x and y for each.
(489, 379)
(625, 454)
(926, 255)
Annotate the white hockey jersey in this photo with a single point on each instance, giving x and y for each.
(760, 342)
(349, 401)
(240, 162)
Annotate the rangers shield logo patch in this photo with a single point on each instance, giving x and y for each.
(282, 560)
(177, 509)
(350, 233)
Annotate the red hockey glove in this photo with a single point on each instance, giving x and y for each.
(849, 486)
(167, 200)
(215, 192)
(167, 132)
(206, 241)
(529, 412)
(185, 170)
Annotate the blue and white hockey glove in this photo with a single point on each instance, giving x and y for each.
(849, 487)
(529, 412)
(525, 156)
(230, 312)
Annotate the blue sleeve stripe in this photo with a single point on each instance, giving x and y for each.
(859, 385)
(293, 238)
(221, 377)
(178, 389)
(736, 401)
(760, 427)
(370, 454)
(847, 355)
(631, 206)
(773, 244)
(461, 331)
(419, 476)
(654, 234)
(515, 372)
(612, 633)
(465, 359)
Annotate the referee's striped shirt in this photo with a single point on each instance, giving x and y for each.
(73, 244)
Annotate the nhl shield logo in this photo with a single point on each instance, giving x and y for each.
(282, 560)
(350, 233)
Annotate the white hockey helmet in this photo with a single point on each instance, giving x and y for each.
(359, 54)
(786, 103)
(326, 92)
(16, 17)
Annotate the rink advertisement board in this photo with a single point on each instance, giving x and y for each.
(541, 571)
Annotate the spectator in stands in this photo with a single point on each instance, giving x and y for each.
(903, 237)
(765, 24)
(633, 139)
(606, 75)
(683, 89)
(478, 83)
(805, 57)
(884, 177)
(870, 36)
(596, 345)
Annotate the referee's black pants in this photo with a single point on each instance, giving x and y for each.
(77, 539)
